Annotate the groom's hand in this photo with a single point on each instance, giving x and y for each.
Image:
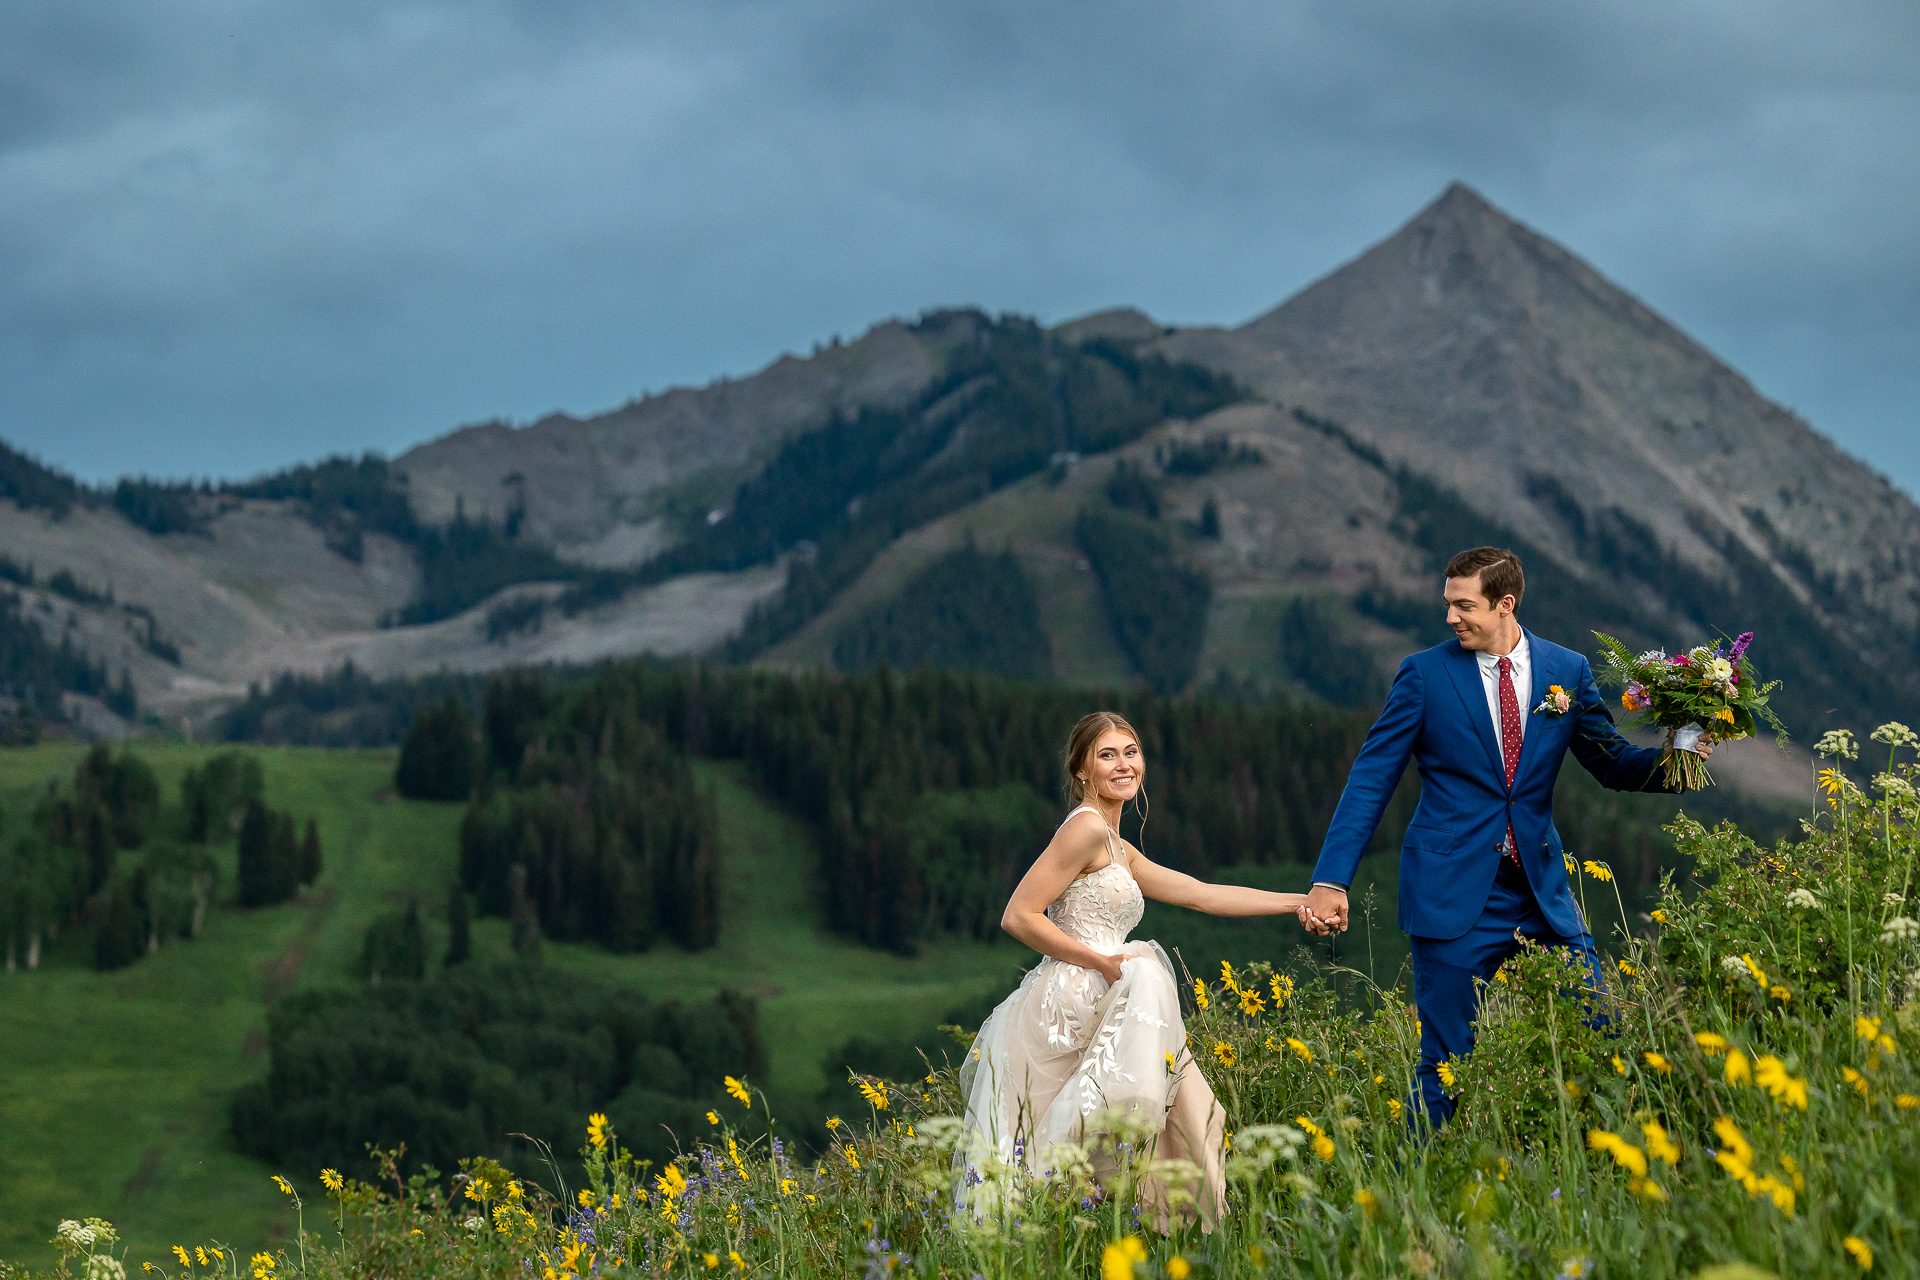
(1326, 910)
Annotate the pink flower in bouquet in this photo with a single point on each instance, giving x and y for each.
(1634, 696)
(1677, 660)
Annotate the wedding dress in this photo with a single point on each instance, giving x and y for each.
(1070, 1059)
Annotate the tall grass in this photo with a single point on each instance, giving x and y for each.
(1743, 1094)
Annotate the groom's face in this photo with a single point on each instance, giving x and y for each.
(1478, 621)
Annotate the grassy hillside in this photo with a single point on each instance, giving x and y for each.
(114, 1088)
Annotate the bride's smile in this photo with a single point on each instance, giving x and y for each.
(1113, 770)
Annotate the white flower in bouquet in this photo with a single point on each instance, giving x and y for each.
(1719, 670)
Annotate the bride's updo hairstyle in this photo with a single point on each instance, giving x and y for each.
(1080, 746)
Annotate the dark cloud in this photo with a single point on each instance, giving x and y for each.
(236, 234)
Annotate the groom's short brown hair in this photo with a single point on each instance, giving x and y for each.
(1499, 570)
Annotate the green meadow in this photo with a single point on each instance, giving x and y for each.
(114, 1087)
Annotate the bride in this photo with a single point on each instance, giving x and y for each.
(1091, 1046)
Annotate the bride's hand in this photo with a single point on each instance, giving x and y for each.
(1109, 967)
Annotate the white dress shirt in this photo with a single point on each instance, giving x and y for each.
(1490, 681)
(1522, 686)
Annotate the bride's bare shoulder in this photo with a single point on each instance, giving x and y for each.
(1082, 838)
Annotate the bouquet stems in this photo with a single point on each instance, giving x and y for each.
(1683, 770)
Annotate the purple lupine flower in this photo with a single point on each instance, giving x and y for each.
(1740, 647)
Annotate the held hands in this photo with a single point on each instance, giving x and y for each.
(1325, 911)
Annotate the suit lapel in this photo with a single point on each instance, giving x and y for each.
(1535, 725)
(1464, 669)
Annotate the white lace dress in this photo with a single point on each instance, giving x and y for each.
(1067, 1054)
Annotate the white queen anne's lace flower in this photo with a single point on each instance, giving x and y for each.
(1897, 788)
(1837, 742)
(1734, 965)
(1803, 898)
(1895, 734)
(77, 1233)
(1899, 929)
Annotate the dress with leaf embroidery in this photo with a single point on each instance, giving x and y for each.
(1067, 1058)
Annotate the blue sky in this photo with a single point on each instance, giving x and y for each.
(238, 234)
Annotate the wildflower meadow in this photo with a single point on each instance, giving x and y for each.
(1742, 1100)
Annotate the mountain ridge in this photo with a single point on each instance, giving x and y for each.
(1464, 375)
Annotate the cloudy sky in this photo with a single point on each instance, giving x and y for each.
(236, 234)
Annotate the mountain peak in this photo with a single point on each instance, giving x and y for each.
(1461, 200)
(1473, 349)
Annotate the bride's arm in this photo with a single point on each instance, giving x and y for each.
(1163, 884)
(1075, 847)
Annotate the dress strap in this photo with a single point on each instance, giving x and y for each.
(1115, 852)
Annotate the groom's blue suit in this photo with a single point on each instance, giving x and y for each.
(1461, 900)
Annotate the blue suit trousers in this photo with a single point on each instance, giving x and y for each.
(1446, 974)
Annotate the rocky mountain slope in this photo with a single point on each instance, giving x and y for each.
(1478, 352)
(1465, 380)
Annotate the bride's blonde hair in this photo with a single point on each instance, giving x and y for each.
(1080, 746)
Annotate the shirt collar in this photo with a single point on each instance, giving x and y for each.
(1491, 662)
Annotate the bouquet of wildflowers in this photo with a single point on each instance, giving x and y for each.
(1710, 692)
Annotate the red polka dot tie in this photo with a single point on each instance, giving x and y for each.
(1509, 742)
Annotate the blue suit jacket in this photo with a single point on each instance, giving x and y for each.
(1437, 716)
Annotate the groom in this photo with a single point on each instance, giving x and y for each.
(1481, 862)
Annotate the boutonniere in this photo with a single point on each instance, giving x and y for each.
(1555, 703)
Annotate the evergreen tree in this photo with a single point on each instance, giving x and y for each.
(394, 949)
(515, 704)
(525, 935)
(459, 926)
(284, 858)
(438, 757)
(123, 935)
(310, 859)
(269, 856)
(1131, 489)
(256, 878)
(125, 788)
(216, 793)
